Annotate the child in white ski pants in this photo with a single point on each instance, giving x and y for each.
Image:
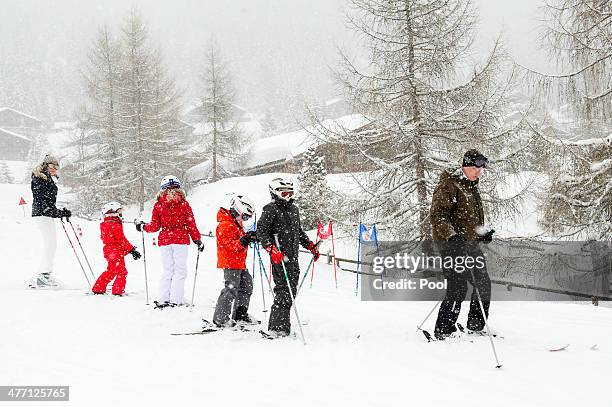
(174, 262)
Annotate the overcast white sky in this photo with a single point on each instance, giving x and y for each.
(273, 45)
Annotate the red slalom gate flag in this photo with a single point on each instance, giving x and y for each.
(22, 202)
(323, 234)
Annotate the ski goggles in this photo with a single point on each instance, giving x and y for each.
(478, 162)
(171, 185)
(286, 194)
(481, 163)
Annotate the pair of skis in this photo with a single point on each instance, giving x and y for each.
(211, 328)
(461, 329)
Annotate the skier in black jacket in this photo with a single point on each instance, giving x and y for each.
(281, 217)
(44, 193)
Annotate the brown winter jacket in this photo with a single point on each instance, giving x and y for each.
(456, 207)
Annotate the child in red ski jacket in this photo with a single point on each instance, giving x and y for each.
(116, 247)
(232, 246)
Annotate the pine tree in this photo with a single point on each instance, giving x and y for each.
(312, 192)
(423, 114)
(129, 138)
(148, 126)
(5, 174)
(222, 140)
(98, 168)
(579, 35)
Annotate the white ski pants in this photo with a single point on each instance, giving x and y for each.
(48, 242)
(172, 285)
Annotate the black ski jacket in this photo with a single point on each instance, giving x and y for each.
(44, 192)
(282, 218)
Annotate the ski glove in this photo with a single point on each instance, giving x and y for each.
(314, 250)
(253, 236)
(275, 255)
(487, 237)
(135, 253)
(139, 225)
(456, 238)
(199, 244)
(64, 213)
(250, 237)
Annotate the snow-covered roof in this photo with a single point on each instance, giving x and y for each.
(289, 145)
(2, 109)
(282, 147)
(13, 134)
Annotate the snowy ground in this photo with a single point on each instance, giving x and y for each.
(119, 351)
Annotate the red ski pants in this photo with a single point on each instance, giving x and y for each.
(115, 269)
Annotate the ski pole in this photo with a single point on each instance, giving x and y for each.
(263, 268)
(144, 259)
(75, 252)
(498, 365)
(297, 316)
(82, 250)
(195, 276)
(420, 327)
(306, 274)
(308, 269)
(261, 277)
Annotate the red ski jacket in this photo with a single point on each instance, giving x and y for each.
(115, 243)
(230, 253)
(175, 219)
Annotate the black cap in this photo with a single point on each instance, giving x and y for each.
(474, 158)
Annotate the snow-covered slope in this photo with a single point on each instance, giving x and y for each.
(119, 351)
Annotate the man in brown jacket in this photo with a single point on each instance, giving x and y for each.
(457, 217)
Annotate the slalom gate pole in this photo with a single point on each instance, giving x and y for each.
(498, 365)
(75, 252)
(420, 327)
(144, 259)
(331, 225)
(295, 310)
(82, 250)
(358, 261)
(195, 276)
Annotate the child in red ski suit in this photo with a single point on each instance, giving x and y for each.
(116, 247)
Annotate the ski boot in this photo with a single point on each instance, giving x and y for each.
(44, 280)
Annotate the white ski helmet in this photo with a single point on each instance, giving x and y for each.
(281, 188)
(113, 207)
(170, 181)
(242, 206)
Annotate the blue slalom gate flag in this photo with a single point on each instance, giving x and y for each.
(368, 235)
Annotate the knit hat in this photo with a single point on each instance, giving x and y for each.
(474, 158)
(50, 159)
